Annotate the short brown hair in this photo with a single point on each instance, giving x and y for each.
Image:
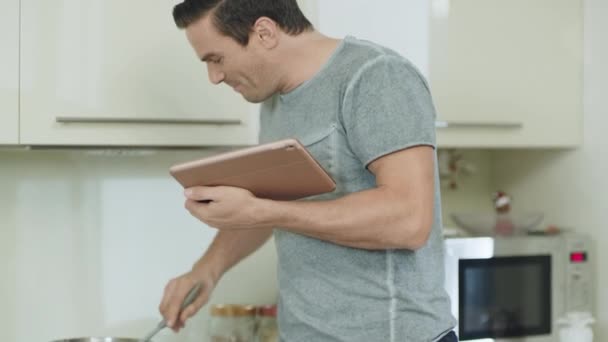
(235, 18)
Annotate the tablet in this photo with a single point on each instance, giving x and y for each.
(282, 170)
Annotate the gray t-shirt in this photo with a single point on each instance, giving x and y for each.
(366, 102)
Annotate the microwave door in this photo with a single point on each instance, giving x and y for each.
(463, 248)
(505, 297)
(499, 295)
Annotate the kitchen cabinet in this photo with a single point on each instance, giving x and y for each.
(502, 73)
(9, 72)
(507, 73)
(111, 72)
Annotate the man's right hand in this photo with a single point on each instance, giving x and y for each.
(175, 292)
(227, 249)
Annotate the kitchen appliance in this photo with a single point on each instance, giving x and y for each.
(513, 289)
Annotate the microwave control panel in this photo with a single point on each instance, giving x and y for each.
(579, 282)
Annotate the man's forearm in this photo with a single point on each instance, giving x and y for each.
(372, 219)
(228, 249)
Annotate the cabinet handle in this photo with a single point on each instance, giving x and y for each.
(166, 121)
(499, 125)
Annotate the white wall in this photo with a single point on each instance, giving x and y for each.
(87, 244)
(572, 186)
(402, 25)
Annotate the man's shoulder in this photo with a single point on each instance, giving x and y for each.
(364, 57)
(365, 51)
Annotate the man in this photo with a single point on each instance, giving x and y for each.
(365, 262)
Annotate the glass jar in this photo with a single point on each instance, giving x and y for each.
(267, 324)
(232, 323)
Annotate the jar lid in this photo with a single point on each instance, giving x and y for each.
(267, 310)
(232, 310)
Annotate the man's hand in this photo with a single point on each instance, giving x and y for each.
(226, 208)
(175, 292)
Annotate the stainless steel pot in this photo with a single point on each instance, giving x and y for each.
(99, 339)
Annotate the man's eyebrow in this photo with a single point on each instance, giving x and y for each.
(208, 56)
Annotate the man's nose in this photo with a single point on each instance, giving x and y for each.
(215, 76)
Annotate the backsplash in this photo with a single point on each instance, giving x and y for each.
(474, 190)
(88, 240)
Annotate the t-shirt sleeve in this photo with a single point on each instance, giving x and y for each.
(387, 107)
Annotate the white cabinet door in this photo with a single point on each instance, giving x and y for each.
(503, 73)
(9, 72)
(113, 72)
(507, 73)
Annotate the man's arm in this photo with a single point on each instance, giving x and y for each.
(228, 249)
(398, 213)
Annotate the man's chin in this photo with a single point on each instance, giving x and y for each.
(254, 99)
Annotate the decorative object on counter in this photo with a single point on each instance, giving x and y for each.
(503, 222)
(267, 330)
(576, 327)
(232, 323)
(453, 168)
(503, 225)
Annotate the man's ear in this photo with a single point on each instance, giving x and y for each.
(266, 32)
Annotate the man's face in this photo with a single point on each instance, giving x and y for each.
(245, 69)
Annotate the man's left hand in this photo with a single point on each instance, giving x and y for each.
(225, 208)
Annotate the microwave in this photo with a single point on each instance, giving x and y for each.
(513, 289)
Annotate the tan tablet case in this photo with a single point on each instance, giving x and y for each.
(281, 170)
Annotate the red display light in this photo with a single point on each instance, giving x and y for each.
(578, 257)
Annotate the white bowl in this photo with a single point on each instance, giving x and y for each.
(484, 223)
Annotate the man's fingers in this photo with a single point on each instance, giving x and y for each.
(174, 295)
(200, 193)
(173, 309)
(193, 308)
(167, 297)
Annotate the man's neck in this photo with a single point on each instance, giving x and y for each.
(303, 57)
